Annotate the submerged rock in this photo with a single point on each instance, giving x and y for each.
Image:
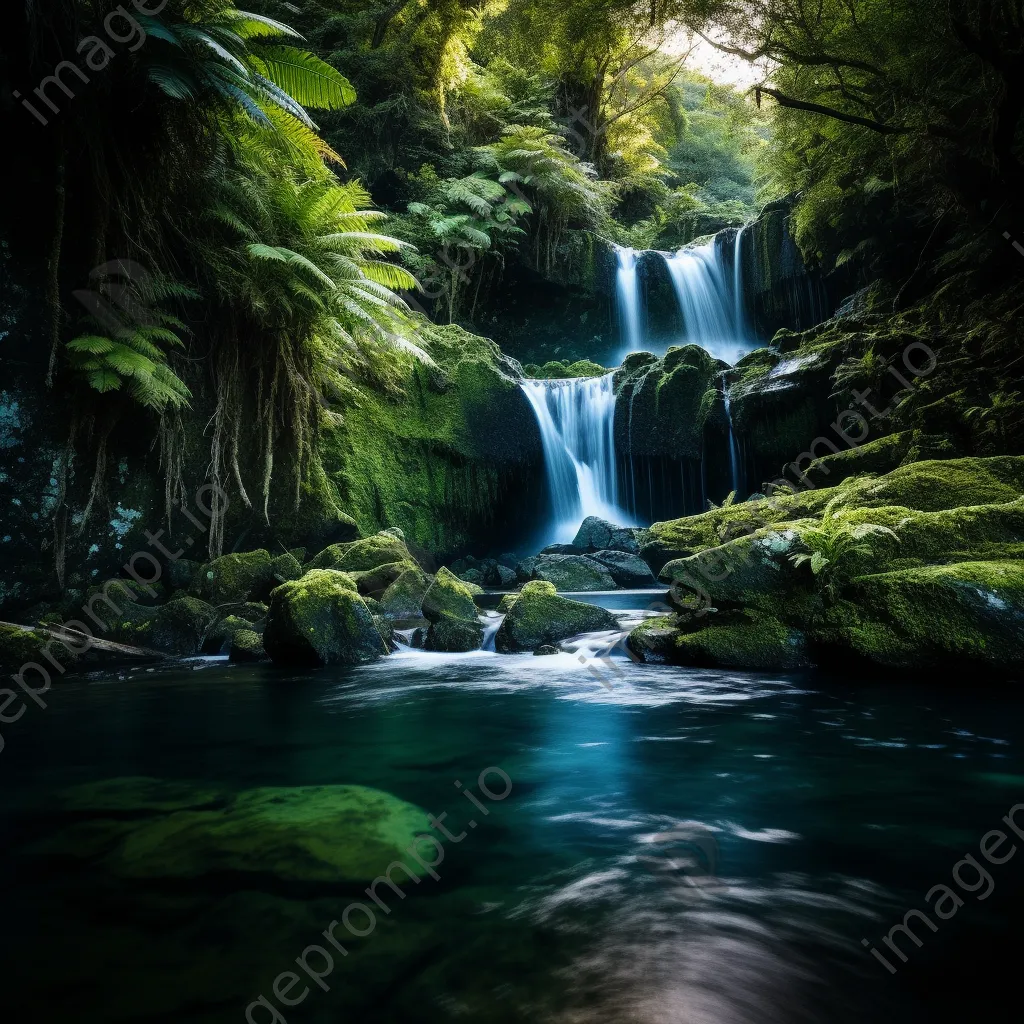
(321, 620)
(596, 534)
(573, 573)
(328, 834)
(540, 616)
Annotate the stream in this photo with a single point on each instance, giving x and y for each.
(681, 845)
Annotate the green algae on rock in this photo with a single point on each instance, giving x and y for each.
(403, 599)
(320, 619)
(540, 616)
(246, 645)
(361, 555)
(236, 577)
(327, 834)
(449, 595)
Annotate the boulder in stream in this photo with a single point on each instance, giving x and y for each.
(573, 573)
(540, 616)
(628, 570)
(321, 620)
(596, 534)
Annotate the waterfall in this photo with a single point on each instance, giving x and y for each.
(628, 295)
(739, 305)
(734, 455)
(577, 420)
(711, 304)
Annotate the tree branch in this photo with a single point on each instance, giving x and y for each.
(815, 108)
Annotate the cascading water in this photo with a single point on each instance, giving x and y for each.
(712, 305)
(628, 295)
(577, 420)
(739, 305)
(734, 456)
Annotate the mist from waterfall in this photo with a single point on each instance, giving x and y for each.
(576, 418)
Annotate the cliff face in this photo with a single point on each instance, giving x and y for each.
(451, 455)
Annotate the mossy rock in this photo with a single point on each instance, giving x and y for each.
(749, 640)
(450, 596)
(403, 599)
(506, 602)
(374, 582)
(324, 834)
(219, 638)
(240, 576)
(922, 486)
(361, 555)
(246, 646)
(453, 635)
(285, 567)
(321, 620)
(967, 614)
(653, 641)
(573, 573)
(540, 616)
(178, 628)
(18, 646)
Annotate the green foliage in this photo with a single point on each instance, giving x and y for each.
(833, 541)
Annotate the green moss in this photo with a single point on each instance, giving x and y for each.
(937, 616)
(653, 641)
(246, 646)
(374, 582)
(560, 370)
(236, 577)
(220, 636)
(751, 640)
(320, 620)
(361, 555)
(18, 646)
(285, 567)
(540, 616)
(325, 834)
(449, 595)
(453, 635)
(135, 794)
(403, 599)
(438, 458)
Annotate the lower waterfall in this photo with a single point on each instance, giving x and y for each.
(577, 422)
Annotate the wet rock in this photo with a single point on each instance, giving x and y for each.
(284, 568)
(321, 620)
(560, 549)
(596, 534)
(540, 616)
(361, 555)
(241, 576)
(653, 641)
(545, 649)
(448, 594)
(573, 573)
(524, 569)
(246, 646)
(403, 599)
(628, 570)
(177, 628)
(374, 582)
(453, 635)
(499, 576)
(219, 638)
(473, 576)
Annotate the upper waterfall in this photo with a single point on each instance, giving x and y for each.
(577, 420)
(628, 298)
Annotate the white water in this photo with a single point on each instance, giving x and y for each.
(628, 295)
(711, 303)
(734, 459)
(740, 326)
(577, 423)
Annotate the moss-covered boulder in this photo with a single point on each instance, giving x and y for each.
(403, 599)
(453, 635)
(573, 573)
(596, 534)
(967, 614)
(360, 555)
(246, 646)
(236, 577)
(178, 628)
(374, 582)
(750, 640)
(324, 834)
(220, 635)
(320, 619)
(449, 595)
(18, 646)
(540, 616)
(285, 567)
(653, 641)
